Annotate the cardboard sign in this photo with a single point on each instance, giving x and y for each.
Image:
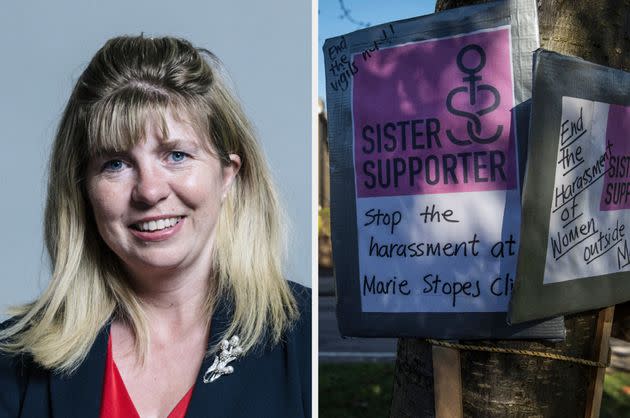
(429, 168)
(425, 185)
(575, 255)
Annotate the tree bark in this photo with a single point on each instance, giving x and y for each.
(506, 385)
(413, 380)
(596, 30)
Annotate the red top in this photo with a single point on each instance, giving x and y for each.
(117, 403)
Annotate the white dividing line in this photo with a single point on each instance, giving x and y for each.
(356, 354)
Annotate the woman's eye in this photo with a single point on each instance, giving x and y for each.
(178, 156)
(114, 165)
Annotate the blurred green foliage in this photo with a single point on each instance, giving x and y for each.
(616, 399)
(323, 222)
(355, 390)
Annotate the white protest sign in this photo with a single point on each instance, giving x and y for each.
(438, 201)
(589, 213)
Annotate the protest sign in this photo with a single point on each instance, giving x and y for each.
(425, 186)
(574, 255)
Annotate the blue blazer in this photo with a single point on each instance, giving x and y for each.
(272, 382)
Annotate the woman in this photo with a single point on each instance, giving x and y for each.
(165, 236)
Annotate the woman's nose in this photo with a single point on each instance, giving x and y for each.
(151, 185)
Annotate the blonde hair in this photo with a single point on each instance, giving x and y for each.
(132, 81)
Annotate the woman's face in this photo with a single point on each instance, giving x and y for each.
(156, 205)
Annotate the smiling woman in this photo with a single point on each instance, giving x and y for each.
(165, 236)
(175, 190)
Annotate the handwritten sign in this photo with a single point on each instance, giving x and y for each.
(578, 191)
(588, 218)
(433, 157)
(341, 69)
(425, 184)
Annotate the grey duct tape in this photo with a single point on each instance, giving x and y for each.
(375, 72)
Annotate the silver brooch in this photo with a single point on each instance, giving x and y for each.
(230, 350)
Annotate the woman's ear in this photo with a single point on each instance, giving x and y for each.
(230, 172)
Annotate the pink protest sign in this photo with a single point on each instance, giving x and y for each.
(616, 191)
(434, 117)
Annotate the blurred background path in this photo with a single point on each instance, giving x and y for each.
(334, 348)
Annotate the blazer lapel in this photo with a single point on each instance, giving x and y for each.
(79, 395)
(208, 398)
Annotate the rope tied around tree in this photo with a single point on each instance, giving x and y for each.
(553, 356)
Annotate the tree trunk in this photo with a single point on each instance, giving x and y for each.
(506, 385)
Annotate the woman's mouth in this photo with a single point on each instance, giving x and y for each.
(157, 230)
(158, 225)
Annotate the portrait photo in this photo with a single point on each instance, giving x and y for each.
(157, 253)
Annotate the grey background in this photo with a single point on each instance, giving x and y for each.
(266, 47)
